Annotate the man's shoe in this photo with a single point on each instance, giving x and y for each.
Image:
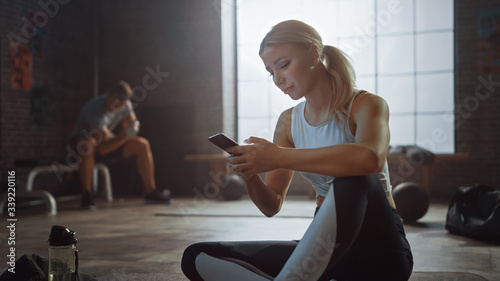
(157, 197)
(88, 202)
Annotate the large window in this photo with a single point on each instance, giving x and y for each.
(401, 50)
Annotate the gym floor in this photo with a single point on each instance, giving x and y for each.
(128, 240)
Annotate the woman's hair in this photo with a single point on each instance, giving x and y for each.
(334, 60)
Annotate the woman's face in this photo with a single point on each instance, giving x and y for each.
(291, 67)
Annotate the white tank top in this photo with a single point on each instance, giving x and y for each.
(326, 134)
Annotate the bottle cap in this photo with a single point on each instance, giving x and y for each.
(61, 236)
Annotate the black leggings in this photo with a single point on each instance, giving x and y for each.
(370, 241)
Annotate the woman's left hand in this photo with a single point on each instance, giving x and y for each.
(258, 156)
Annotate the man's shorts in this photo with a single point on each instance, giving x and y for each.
(78, 149)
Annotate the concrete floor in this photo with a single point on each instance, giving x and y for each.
(127, 240)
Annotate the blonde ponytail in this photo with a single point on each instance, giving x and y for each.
(343, 80)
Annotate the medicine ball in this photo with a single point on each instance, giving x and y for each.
(233, 187)
(411, 201)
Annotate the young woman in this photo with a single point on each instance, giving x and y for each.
(338, 139)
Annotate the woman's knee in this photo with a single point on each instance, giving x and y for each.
(356, 186)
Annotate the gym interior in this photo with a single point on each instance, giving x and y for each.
(181, 60)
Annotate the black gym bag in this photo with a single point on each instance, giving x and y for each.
(474, 211)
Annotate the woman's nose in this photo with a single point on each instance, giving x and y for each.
(278, 79)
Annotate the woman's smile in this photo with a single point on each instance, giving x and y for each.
(287, 90)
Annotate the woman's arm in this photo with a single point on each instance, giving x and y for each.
(367, 155)
(268, 196)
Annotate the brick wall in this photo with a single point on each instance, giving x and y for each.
(169, 51)
(181, 40)
(478, 132)
(64, 73)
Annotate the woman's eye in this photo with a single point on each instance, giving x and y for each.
(285, 65)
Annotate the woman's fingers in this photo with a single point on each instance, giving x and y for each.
(235, 150)
(251, 140)
(251, 159)
(243, 170)
(240, 165)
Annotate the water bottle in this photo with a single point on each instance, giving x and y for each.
(63, 254)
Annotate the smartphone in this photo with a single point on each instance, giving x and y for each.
(222, 141)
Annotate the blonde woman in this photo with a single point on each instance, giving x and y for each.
(338, 139)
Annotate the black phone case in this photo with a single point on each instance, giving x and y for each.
(222, 141)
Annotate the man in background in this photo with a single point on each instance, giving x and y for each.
(93, 138)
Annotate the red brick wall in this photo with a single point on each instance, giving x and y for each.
(65, 71)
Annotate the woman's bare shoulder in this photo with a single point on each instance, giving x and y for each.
(367, 101)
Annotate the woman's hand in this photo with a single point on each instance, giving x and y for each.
(258, 156)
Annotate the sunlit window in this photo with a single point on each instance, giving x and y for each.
(402, 50)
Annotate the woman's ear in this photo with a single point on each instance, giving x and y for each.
(315, 54)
